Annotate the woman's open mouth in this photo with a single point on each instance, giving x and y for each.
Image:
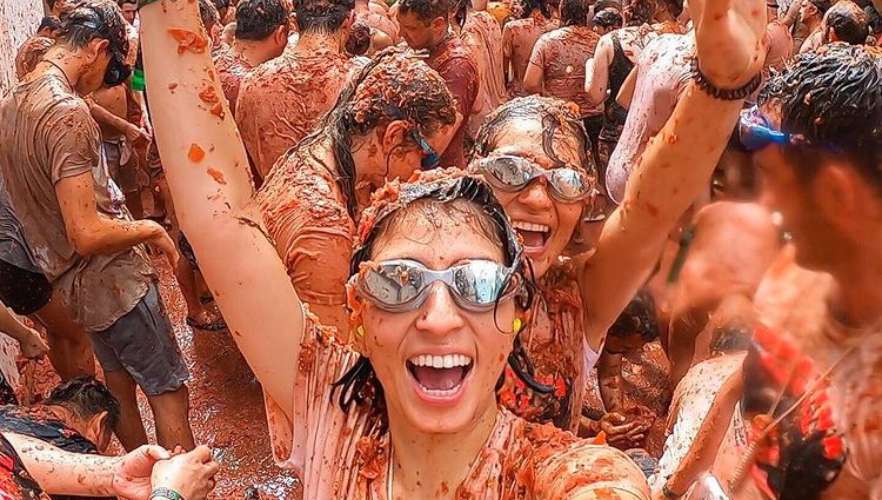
(439, 379)
(535, 236)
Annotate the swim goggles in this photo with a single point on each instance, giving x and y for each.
(403, 285)
(755, 132)
(430, 159)
(514, 173)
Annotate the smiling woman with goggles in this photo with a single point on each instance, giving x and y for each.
(403, 285)
(514, 173)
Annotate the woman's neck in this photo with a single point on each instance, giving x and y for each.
(434, 465)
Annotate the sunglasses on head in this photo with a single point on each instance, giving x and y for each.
(755, 131)
(403, 285)
(514, 173)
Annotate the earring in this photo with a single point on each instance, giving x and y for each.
(516, 325)
(359, 331)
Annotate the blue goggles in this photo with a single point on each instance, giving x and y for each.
(755, 132)
(430, 158)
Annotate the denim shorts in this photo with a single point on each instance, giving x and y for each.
(143, 344)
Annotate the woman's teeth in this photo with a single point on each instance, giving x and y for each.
(529, 226)
(445, 361)
(534, 235)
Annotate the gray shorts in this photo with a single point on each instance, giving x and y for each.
(143, 344)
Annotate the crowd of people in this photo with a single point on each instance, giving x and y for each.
(530, 249)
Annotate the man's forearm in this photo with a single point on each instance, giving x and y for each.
(63, 473)
(10, 325)
(111, 235)
(105, 117)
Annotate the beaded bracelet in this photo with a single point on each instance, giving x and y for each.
(165, 493)
(725, 94)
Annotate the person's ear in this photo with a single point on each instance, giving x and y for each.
(96, 427)
(395, 135)
(281, 35)
(95, 48)
(439, 25)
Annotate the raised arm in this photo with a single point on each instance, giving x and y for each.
(208, 176)
(677, 163)
(597, 72)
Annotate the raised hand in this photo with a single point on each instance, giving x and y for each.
(730, 39)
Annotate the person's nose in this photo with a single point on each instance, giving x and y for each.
(535, 196)
(439, 314)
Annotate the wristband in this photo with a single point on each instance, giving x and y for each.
(725, 94)
(165, 494)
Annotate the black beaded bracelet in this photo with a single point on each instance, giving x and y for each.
(668, 493)
(725, 94)
(165, 494)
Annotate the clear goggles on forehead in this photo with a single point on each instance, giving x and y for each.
(403, 285)
(514, 173)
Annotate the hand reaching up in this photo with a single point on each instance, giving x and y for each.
(730, 39)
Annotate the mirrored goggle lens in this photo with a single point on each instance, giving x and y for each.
(477, 284)
(515, 173)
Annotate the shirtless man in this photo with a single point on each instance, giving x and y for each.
(843, 22)
(519, 37)
(557, 65)
(484, 36)
(811, 15)
(425, 25)
(261, 35)
(830, 202)
(302, 84)
(384, 31)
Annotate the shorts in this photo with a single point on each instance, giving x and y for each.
(143, 344)
(122, 165)
(23, 291)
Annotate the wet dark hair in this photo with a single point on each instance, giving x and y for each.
(359, 40)
(99, 19)
(360, 385)
(554, 116)
(638, 12)
(822, 5)
(833, 98)
(85, 397)
(608, 18)
(395, 85)
(208, 14)
(322, 15)
(258, 19)
(638, 318)
(427, 10)
(51, 23)
(528, 6)
(574, 13)
(461, 11)
(848, 22)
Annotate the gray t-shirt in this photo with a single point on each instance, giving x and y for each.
(48, 134)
